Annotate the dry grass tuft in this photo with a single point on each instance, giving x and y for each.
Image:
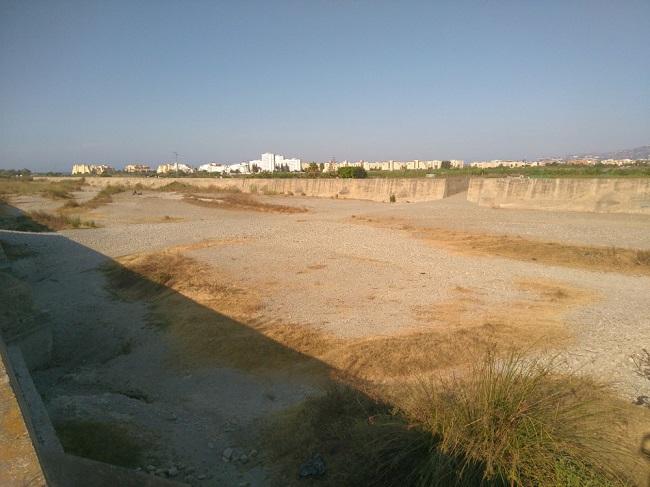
(42, 221)
(508, 421)
(55, 222)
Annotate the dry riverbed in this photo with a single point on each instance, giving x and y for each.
(189, 320)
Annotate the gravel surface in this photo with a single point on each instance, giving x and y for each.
(318, 269)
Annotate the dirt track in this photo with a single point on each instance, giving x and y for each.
(376, 299)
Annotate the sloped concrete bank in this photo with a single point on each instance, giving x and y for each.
(586, 194)
(30, 450)
(374, 189)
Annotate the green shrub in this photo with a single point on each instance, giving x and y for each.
(352, 172)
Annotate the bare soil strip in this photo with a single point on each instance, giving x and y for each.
(608, 259)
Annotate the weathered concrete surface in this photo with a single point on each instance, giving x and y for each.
(374, 189)
(20, 324)
(19, 463)
(584, 194)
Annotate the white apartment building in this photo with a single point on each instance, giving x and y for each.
(213, 167)
(240, 167)
(275, 162)
(80, 169)
(136, 168)
(171, 167)
(497, 163)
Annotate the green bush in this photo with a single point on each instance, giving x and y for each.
(352, 172)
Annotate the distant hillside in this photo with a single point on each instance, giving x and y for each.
(642, 152)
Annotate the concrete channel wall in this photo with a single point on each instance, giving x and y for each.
(597, 195)
(37, 457)
(374, 189)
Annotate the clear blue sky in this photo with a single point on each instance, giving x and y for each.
(118, 81)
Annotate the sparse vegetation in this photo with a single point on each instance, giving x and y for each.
(510, 421)
(613, 259)
(641, 361)
(49, 189)
(241, 201)
(103, 197)
(392, 198)
(54, 222)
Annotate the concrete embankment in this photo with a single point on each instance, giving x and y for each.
(588, 194)
(374, 189)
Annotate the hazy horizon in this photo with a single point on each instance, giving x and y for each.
(120, 82)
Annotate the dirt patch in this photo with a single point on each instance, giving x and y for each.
(240, 201)
(609, 259)
(209, 320)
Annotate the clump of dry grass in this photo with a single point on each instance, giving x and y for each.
(509, 422)
(59, 221)
(516, 419)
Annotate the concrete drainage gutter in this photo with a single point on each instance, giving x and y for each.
(40, 460)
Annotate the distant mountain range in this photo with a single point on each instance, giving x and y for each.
(642, 152)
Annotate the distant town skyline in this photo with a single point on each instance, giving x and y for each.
(121, 82)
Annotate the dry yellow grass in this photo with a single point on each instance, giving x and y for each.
(211, 321)
(609, 259)
(240, 201)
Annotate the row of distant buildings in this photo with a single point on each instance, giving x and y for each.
(269, 162)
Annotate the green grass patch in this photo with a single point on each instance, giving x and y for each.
(104, 442)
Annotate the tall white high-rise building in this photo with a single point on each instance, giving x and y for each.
(276, 162)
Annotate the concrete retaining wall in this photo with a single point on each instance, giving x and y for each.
(375, 189)
(589, 194)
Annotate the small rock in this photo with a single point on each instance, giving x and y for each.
(172, 472)
(243, 458)
(253, 453)
(227, 454)
(150, 468)
(211, 445)
(201, 477)
(314, 467)
(243, 484)
(642, 401)
(189, 479)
